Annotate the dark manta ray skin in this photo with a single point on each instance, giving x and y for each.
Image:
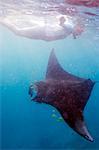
(67, 93)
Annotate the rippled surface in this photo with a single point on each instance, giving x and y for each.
(49, 20)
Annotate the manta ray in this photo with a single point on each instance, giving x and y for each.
(67, 93)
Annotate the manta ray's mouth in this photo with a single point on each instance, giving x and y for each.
(32, 91)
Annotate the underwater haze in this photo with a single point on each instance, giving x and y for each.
(28, 125)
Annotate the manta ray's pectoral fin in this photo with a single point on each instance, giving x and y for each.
(55, 71)
(84, 91)
(76, 122)
(81, 85)
(81, 129)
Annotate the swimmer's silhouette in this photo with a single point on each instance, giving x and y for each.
(67, 93)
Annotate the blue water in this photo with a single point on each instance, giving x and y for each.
(26, 124)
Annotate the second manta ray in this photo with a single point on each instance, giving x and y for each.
(67, 93)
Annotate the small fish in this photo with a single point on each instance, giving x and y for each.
(54, 116)
(60, 119)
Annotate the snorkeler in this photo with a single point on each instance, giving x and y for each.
(70, 28)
